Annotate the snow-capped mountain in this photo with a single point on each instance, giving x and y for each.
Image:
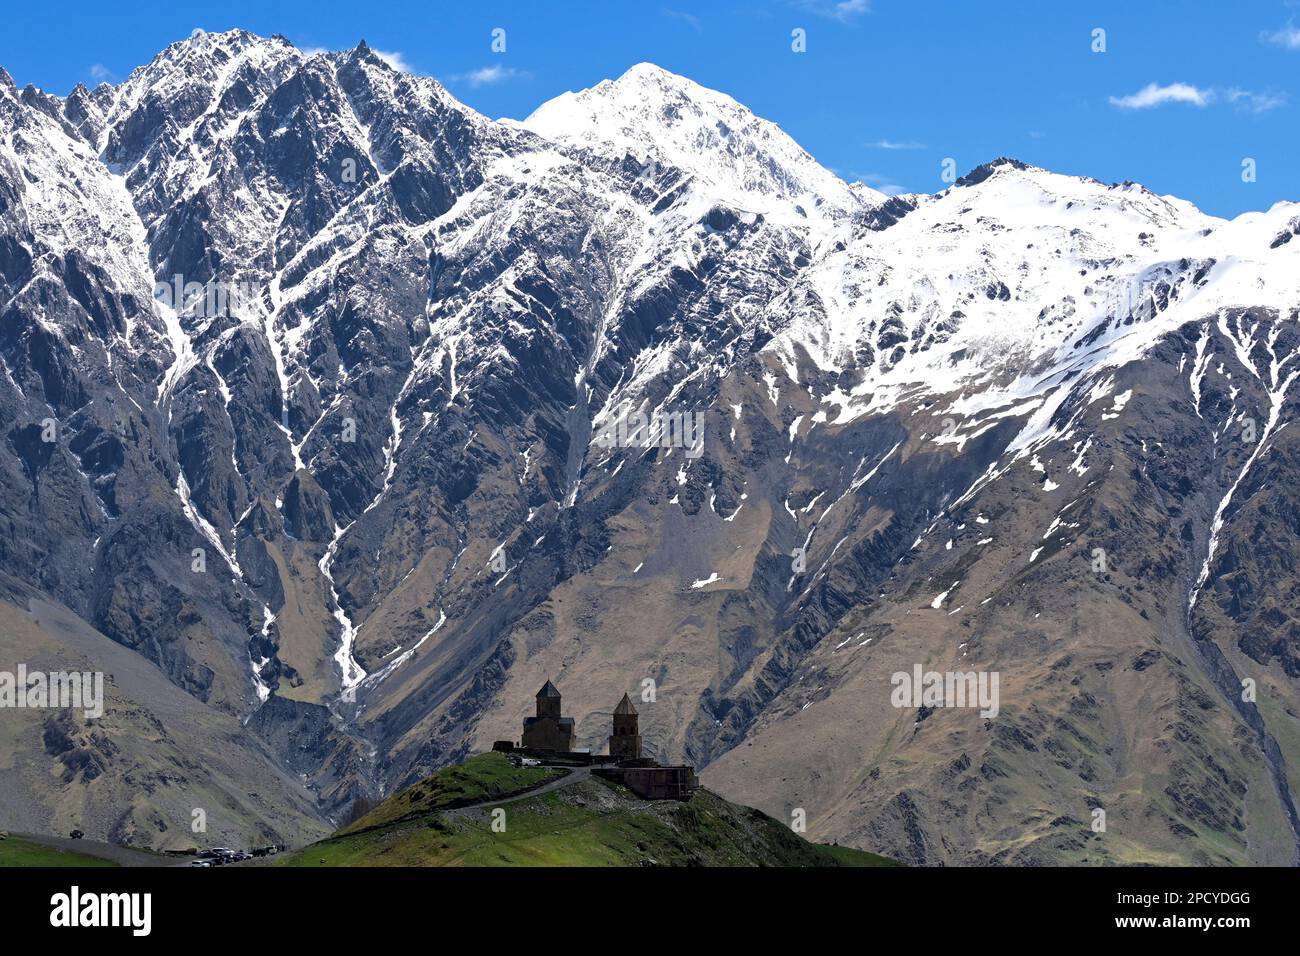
(736, 157)
(354, 488)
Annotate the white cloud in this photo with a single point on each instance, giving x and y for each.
(487, 75)
(1153, 95)
(882, 183)
(842, 10)
(395, 60)
(1255, 102)
(687, 18)
(101, 73)
(890, 144)
(847, 9)
(1288, 36)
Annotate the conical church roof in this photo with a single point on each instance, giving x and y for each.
(625, 706)
(548, 690)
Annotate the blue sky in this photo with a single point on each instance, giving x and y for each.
(886, 90)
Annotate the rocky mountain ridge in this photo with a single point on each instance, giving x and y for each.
(352, 488)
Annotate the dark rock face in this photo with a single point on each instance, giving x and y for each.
(354, 412)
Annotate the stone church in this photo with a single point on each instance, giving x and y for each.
(626, 740)
(550, 736)
(548, 730)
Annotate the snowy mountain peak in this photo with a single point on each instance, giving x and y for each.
(658, 116)
(646, 71)
(1009, 190)
(201, 47)
(985, 170)
(364, 52)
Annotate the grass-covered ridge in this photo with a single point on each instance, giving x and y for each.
(446, 820)
(17, 852)
(487, 776)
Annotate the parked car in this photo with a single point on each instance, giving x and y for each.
(201, 862)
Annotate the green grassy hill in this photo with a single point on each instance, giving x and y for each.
(15, 851)
(446, 821)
